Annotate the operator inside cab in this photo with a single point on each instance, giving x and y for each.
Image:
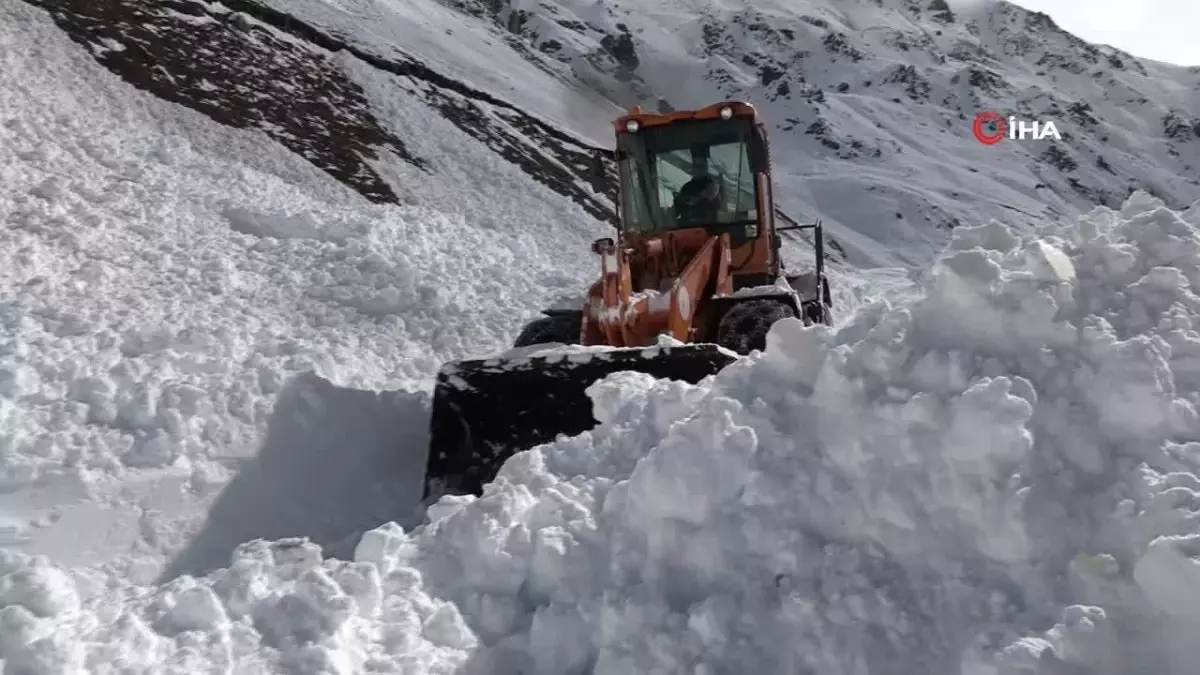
(685, 174)
(701, 200)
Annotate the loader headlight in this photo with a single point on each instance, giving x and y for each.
(632, 126)
(726, 113)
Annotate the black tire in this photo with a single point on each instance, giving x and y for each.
(563, 329)
(744, 327)
(814, 312)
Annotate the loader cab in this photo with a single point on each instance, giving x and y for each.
(689, 175)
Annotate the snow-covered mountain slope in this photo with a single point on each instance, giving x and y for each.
(873, 103)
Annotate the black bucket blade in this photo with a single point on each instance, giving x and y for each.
(486, 410)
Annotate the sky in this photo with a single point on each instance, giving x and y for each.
(1164, 30)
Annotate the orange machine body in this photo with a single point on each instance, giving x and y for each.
(664, 282)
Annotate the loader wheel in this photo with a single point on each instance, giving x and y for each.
(744, 327)
(564, 329)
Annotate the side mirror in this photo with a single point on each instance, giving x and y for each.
(603, 245)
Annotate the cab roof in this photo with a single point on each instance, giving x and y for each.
(711, 112)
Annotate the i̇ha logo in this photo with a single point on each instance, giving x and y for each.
(991, 127)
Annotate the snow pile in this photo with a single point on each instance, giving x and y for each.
(998, 476)
(164, 278)
(909, 494)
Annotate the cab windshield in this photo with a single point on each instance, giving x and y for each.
(689, 174)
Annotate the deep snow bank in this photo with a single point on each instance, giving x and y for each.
(999, 476)
(162, 277)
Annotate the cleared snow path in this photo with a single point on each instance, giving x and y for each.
(336, 462)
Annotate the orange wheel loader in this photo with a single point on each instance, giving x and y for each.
(696, 258)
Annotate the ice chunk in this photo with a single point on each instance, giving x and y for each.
(1049, 263)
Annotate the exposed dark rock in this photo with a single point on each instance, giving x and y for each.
(916, 86)
(836, 43)
(242, 74)
(236, 63)
(713, 36)
(986, 80)
(1055, 156)
(768, 74)
(1081, 114)
(1036, 20)
(1177, 128)
(622, 49)
(969, 52)
(941, 11)
(1061, 62)
(1095, 195)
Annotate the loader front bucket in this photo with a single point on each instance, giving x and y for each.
(486, 410)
